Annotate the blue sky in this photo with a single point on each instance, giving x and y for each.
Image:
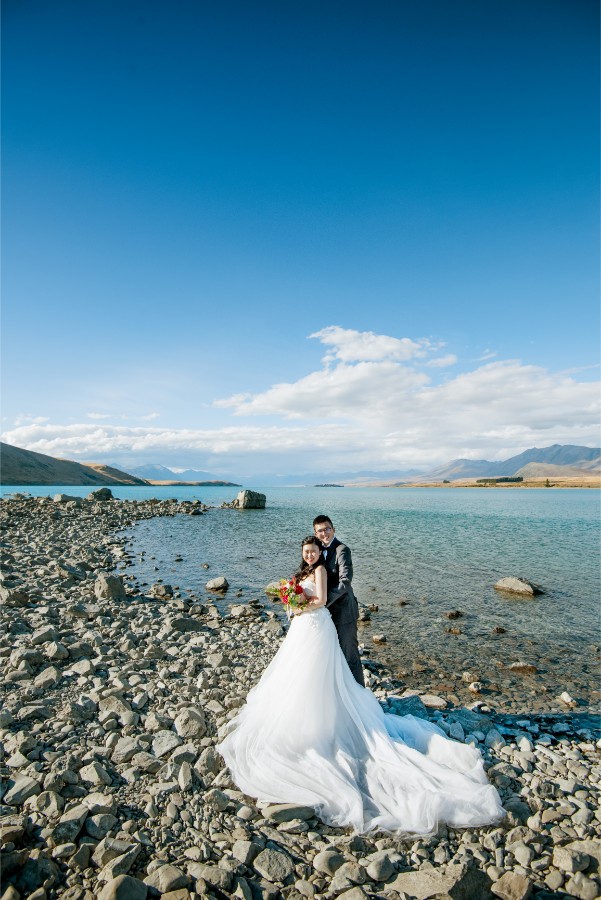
(192, 190)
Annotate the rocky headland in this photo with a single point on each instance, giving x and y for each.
(112, 699)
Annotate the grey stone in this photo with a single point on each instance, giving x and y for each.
(35, 873)
(120, 865)
(249, 500)
(494, 739)
(592, 848)
(80, 650)
(213, 875)
(81, 711)
(83, 667)
(50, 803)
(217, 799)
(124, 887)
(286, 812)
(458, 882)
(380, 868)
(512, 585)
(63, 851)
(522, 854)
(355, 893)
(69, 824)
(100, 803)
(100, 495)
(582, 888)
(109, 587)
(98, 826)
(217, 584)
(353, 872)
(522, 668)
(167, 878)
(81, 858)
(569, 860)
(125, 749)
(113, 706)
(56, 650)
(512, 886)
(408, 706)
(273, 865)
(432, 701)
(209, 761)
(19, 789)
(44, 634)
(518, 808)
(164, 742)
(95, 774)
(328, 861)
(161, 591)
(245, 851)
(108, 849)
(185, 624)
(190, 723)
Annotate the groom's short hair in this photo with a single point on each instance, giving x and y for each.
(321, 520)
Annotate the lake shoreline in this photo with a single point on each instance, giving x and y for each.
(113, 698)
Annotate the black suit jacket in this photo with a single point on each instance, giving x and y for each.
(341, 601)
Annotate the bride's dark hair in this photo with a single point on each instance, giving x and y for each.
(305, 569)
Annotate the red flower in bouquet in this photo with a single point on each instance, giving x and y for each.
(291, 594)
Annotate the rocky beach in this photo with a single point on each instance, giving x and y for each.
(113, 694)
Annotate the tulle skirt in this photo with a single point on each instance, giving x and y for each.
(309, 734)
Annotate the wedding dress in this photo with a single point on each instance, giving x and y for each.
(310, 735)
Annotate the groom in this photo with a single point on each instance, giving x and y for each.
(341, 601)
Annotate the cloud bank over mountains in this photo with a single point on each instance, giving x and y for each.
(377, 400)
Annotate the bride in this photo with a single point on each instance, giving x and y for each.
(310, 734)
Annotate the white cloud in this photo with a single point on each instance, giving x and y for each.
(332, 393)
(373, 405)
(150, 417)
(441, 362)
(28, 419)
(95, 415)
(364, 346)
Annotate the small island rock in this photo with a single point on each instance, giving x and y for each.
(249, 500)
(101, 494)
(513, 585)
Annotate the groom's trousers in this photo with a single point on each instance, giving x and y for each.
(347, 638)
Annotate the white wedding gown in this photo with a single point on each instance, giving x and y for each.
(310, 735)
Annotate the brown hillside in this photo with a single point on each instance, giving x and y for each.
(24, 467)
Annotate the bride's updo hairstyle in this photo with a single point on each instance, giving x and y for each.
(305, 569)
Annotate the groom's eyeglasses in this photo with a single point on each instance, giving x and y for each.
(325, 530)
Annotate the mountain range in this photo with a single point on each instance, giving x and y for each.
(157, 472)
(25, 467)
(581, 460)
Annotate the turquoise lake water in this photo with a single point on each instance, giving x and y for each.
(417, 554)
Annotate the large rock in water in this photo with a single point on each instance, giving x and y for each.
(100, 494)
(249, 500)
(513, 585)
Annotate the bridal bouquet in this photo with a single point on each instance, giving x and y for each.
(291, 595)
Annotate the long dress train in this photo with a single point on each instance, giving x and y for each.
(309, 734)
